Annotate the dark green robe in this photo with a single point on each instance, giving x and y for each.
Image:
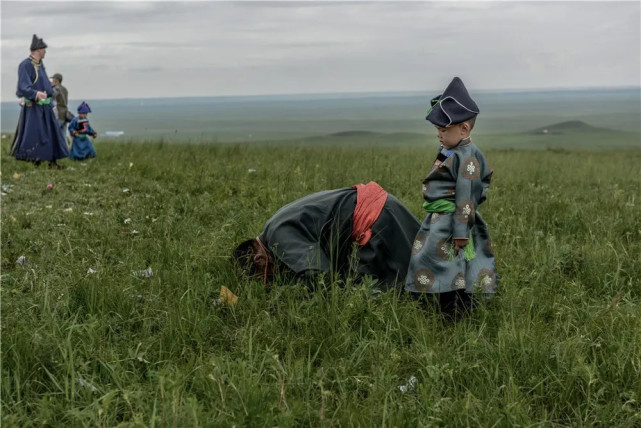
(314, 234)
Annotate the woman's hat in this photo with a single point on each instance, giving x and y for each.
(454, 105)
(84, 108)
(37, 43)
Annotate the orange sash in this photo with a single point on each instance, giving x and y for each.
(370, 199)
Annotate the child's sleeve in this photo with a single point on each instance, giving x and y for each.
(72, 125)
(468, 177)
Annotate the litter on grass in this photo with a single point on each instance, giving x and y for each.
(409, 386)
(83, 383)
(21, 261)
(226, 298)
(145, 273)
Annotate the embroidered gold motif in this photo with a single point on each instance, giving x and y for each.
(417, 245)
(465, 211)
(470, 168)
(424, 280)
(458, 283)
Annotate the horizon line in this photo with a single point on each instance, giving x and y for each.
(368, 93)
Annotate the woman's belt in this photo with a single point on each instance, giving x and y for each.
(28, 102)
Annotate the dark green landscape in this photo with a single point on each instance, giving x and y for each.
(88, 340)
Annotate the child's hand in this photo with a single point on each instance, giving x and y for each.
(95, 134)
(460, 243)
(74, 134)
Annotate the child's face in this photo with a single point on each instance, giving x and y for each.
(82, 115)
(450, 136)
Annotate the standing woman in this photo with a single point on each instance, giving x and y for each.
(38, 136)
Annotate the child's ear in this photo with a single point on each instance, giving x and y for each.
(465, 127)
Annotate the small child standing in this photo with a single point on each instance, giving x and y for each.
(452, 257)
(79, 128)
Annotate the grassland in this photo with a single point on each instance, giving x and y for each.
(560, 345)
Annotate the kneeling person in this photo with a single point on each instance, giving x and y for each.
(318, 232)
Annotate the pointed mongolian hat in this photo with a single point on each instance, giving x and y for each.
(84, 108)
(37, 43)
(454, 105)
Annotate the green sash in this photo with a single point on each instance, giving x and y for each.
(445, 206)
(46, 101)
(439, 206)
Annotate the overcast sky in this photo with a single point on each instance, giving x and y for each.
(170, 49)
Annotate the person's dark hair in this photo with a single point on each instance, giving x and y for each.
(243, 257)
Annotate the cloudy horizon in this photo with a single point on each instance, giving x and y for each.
(179, 49)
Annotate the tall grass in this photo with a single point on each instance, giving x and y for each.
(559, 346)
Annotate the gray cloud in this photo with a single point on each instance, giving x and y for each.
(141, 49)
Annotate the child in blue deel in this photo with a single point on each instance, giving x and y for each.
(452, 257)
(79, 128)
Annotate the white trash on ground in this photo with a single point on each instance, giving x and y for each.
(83, 383)
(145, 273)
(410, 385)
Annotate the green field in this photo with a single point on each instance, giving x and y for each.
(559, 346)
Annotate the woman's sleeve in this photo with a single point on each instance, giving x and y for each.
(25, 82)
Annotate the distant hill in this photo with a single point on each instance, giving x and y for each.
(352, 134)
(570, 126)
(368, 138)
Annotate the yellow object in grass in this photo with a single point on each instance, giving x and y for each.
(227, 297)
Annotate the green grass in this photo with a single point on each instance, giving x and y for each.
(560, 345)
